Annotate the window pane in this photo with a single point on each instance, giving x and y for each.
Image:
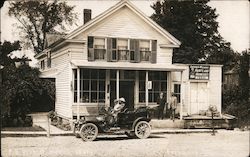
(114, 43)
(86, 85)
(94, 85)
(123, 54)
(113, 74)
(101, 85)
(99, 43)
(122, 42)
(132, 55)
(94, 97)
(94, 74)
(142, 86)
(114, 56)
(150, 97)
(163, 86)
(142, 97)
(101, 96)
(129, 74)
(163, 75)
(142, 75)
(156, 86)
(102, 74)
(84, 73)
(85, 97)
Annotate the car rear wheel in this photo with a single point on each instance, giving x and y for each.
(88, 132)
(142, 129)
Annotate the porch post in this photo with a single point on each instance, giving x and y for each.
(78, 93)
(117, 84)
(181, 101)
(146, 93)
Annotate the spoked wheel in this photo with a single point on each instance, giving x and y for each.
(88, 132)
(142, 129)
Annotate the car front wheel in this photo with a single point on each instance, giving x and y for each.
(142, 129)
(88, 132)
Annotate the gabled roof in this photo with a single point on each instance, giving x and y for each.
(115, 8)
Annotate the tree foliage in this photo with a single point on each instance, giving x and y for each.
(21, 89)
(194, 24)
(37, 18)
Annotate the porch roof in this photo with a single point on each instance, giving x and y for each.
(126, 65)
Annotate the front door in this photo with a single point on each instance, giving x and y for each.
(198, 97)
(126, 90)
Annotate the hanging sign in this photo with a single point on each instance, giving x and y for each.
(149, 84)
(199, 72)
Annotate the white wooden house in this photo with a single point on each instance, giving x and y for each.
(123, 53)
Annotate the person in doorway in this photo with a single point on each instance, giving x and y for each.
(162, 102)
(173, 106)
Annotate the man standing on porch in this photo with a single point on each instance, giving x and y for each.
(162, 102)
(173, 106)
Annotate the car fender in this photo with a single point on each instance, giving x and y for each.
(139, 119)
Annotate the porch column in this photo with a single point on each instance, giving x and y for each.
(117, 84)
(181, 101)
(169, 87)
(78, 93)
(146, 93)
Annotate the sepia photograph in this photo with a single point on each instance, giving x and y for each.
(125, 78)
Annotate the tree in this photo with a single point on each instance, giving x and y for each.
(37, 18)
(21, 89)
(194, 24)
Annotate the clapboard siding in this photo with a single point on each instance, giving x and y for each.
(215, 87)
(63, 92)
(126, 24)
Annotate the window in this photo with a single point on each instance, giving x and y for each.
(159, 84)
(123, 51)
(99, 48)
(92, 86)
(177, 92)
(42, 65)
(145, 50)
(48, 59)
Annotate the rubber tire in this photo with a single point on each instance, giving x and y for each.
(84, 126)
(138, 135)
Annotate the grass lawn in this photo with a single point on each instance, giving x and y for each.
(32, 128)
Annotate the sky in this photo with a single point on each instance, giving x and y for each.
(234, 19)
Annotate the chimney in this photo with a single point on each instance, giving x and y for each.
(86, 15)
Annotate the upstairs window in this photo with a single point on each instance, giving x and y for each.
(49, 59)
(145, 52)
(99, 49)
(42, 65)
(123, 51)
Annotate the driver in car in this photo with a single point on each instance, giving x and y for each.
(119, 105)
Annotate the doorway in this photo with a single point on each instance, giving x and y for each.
(126, 90)
(198, 97)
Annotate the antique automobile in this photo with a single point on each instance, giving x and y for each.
(133, 123)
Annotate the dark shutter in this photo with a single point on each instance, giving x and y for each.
(114, 49)
(154, 51)
(109, 49)
(137, 51)
(132, 50)
(91, 56)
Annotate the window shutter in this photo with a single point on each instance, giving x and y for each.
(154, 51)
(91, 56)
(137, 52)
(114, 50)
(109, 49)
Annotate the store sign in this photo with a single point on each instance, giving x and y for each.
(149, 84)
(199, 72)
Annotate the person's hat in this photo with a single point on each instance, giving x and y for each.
(122, 100)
